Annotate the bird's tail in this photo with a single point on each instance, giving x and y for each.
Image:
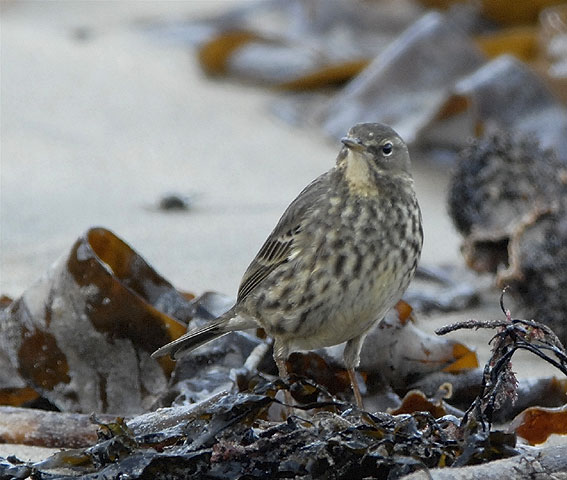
(197, 337)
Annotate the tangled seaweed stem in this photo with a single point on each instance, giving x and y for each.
(498, 380)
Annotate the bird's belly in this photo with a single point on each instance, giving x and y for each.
(338, 328)
(359, 310)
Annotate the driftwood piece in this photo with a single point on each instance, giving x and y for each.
(548, 463)
(39, 428)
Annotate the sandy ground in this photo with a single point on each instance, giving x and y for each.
(100, 117)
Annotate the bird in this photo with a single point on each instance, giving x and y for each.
(342, 254)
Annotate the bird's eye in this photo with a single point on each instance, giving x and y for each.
(387, 149)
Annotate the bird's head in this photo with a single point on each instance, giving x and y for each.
(371, 149)
(377, 144)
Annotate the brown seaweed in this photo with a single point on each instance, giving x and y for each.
(83, 334)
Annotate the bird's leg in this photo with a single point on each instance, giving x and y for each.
(282, 369)
(280, 356)
(355, 389)
(351, 357)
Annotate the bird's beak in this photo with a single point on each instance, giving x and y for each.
(352, 143)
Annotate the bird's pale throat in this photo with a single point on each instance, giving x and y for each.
(358, 175)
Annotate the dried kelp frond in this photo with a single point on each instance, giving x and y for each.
(506, 93)
(407, 84)
(522, 42)
(521, 12)
(299, 46)
(83, 334)
(443, 289)
(416, 401)
(536, 424)
(508, 198)
(544, 392)
(214, 367)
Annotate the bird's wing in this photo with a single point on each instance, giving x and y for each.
(282, 242)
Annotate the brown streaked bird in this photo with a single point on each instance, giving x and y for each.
(340, 257)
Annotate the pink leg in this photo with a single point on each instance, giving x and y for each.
(355, 389)
(280, 356)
